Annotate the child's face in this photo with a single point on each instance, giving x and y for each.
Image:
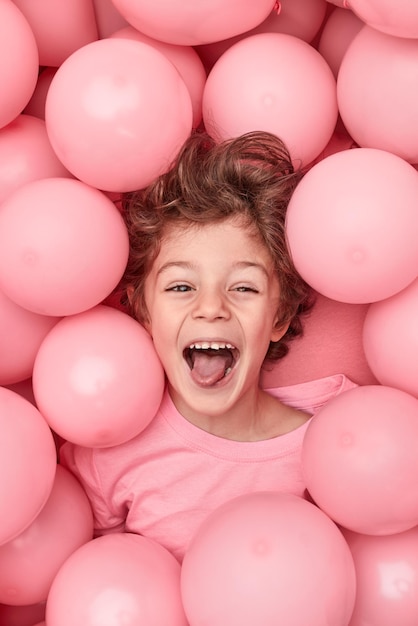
(212, 298)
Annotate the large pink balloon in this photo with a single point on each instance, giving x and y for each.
(116, 113)
(22, 332)
(346, 239)
(184, 58)
(97, 378)
(190, 23)
(390, 339)
(264, 82)
(63, 246)
(339, 31)
(360, 460)
(29, 563)
(26, 154)
(27, 463)
(268, 558)
(387, 574)
(60, 28)
(119, 578)
(19, 62)
(377, 95)
(398, 18)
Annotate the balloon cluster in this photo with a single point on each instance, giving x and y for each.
(98, 97)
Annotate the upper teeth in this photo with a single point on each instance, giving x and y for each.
(212, 345)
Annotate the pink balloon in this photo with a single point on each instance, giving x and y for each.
(268, 558)
(29, 563)
(386, 572)
(97, 378)
(27, 463)
(108, 18)
(377, 98)
(301, 18)
(399, 19)
(116, 113)
(119, 578)
(254, 87)
(339, 31)
(22, 333)
(191, 23)
(36, 105)
(20, 62)
(390, 339)
(63, 246)
(26, 154)
(346, 239)
(60, 28)
(184, 58)
(360, 462)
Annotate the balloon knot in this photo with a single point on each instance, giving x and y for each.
(277, 7)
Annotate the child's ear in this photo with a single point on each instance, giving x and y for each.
(278, 331)
(140, 315)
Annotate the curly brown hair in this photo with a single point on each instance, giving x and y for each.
(250, 178)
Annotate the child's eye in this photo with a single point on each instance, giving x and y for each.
(181, 288)
(245, 289)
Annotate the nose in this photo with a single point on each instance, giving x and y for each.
(211, 304)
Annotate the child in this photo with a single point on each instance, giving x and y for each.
(211, 279)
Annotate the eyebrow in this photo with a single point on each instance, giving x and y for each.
(191, 266)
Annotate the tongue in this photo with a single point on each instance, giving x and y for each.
(208, 368)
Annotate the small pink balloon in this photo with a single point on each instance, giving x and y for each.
(63, 246)
(390, 339)
(376, 92)
(97, 378)
(190, 23)
(60, 28)
(26, 154)
(27, 463)
(337, 34)
(20, 62)
(399, 19)
(386, 572)
(129, 113)
(184, 58)
(36, 105)
(268, 558)
(22, 333)
(359, 460)
(344, 235)
(254, 87)
(119, 578)
(30, 561)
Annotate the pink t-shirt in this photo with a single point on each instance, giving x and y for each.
(164, 482)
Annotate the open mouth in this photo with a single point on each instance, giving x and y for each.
(210, 361)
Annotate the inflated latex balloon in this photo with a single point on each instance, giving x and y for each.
(22, 615)
(377, 98)
(190, 23)
(366, 440)
(398, 18)
(60, 28)
(29, 563)
(97, 378)
(119, 578)
(268, 558)
(345, 236)
(184, 58)
(27, 463)
(26, 154)
(390, 339)
(117, 112)
(22, 332)
(20, 62)
(253, 86)
(337, 34)
(108, 18)
(386, 572)
(63, 246)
